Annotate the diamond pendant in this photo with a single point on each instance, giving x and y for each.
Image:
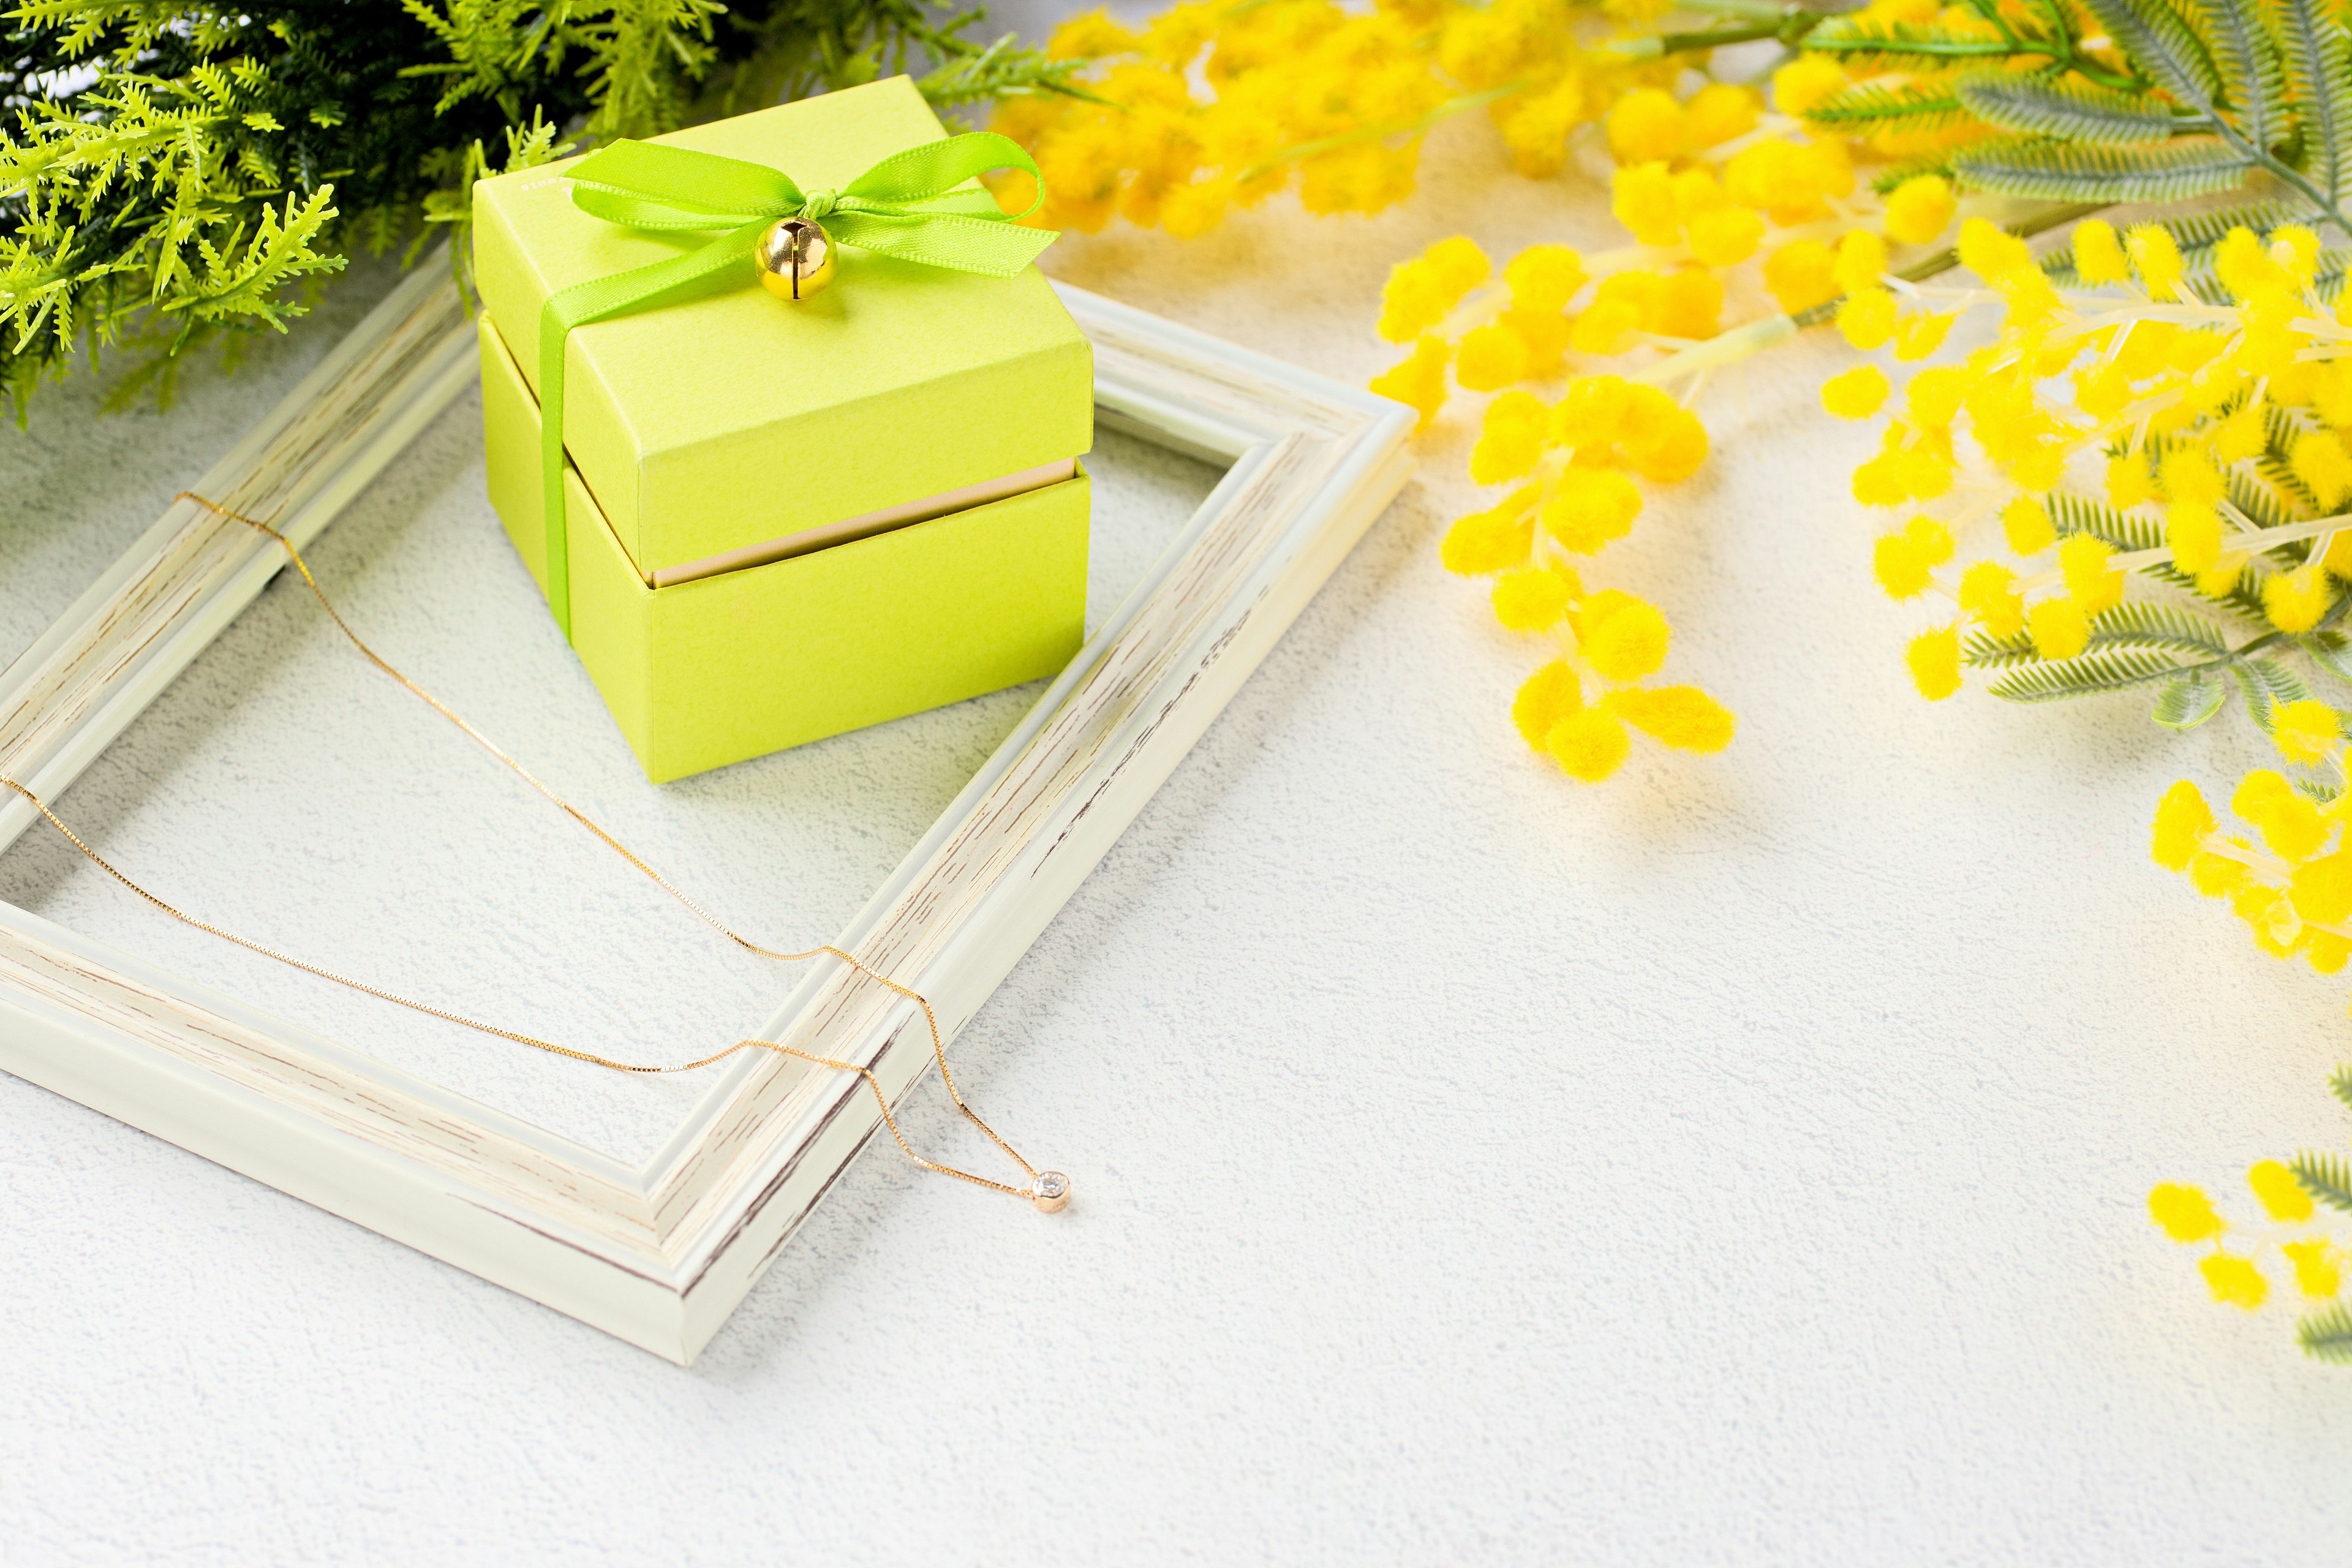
(1053, 1192)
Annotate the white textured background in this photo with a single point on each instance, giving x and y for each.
(1740, 1162)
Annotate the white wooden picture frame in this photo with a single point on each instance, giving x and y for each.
(659, 1255)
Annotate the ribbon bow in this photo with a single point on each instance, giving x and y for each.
(906, 206)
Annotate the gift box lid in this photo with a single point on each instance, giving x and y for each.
(722, 421)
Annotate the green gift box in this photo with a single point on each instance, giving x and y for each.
(784, 520)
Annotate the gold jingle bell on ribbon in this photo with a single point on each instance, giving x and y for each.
(794, 258)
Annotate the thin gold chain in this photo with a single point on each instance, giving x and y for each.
(1046, 1190)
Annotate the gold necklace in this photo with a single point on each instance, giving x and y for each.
(1048, 1190)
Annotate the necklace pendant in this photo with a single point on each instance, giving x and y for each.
(1052, 1194)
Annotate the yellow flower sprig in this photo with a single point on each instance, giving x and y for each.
(2307, 1204)
(2160, 458)
(1705, 187)
(2313, 1255)
(1219, 104)
(1213, 106)
(2196, 454)
(1700, 185)
(1571, 467)
(2158, 461)
(2294, 891)
(1210, 107)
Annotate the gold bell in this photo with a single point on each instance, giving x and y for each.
(794, 258)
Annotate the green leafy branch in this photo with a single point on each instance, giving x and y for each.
(2187, 99)
(2327, 1334)
(181, 173)
(2177, 648)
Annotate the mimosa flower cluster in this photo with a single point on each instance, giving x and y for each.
(1725, 197)
(1571, 466)
(1720, 194)
(2137, 485)
(1723, 200)
(2159, 478)
(2157, 473)
(2140, 484)
(2291, 882)
(2293, 1248)
(1212, 107)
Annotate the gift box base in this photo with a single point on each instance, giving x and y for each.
(709, 672)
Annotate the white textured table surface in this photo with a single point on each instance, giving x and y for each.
(1739, 1162)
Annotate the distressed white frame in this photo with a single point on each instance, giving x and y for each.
(660, 1254)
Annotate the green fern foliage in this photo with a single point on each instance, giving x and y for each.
(1891, 175)
(2246, 61)
(2179, 646)
(2056, 171)
(2327, 1334)
(2317, 57)
(2087, 675)
(2072, 513)
(177, 173)
(1911, 107)
(2121, 101)
(2269, 686)
(2319, 791)
(2330, 650)
(1903, 46)
(2188, 700)
(2197, 238)
(2140, 625)
(2328, 1178)
(2163, 46)
(2145, 623)
(2196, 235)
(2043, 106)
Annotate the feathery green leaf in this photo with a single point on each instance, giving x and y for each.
(2069, 172)
(2276, 461)
(2145, 623)
(2330, 650)
(2070, 514)
(2161, 41)
(2258, 502)
(2283, 685)
(2327, 1334)
(1901, 45)
(2318, 60)
(176, 172)
(1891, 175)
(2245, 57)
(1915, 106)
(2135, 624)
(2084, 676)
(2049, 106)
(2325, 1176)
(2185, 703)
(2269, 686)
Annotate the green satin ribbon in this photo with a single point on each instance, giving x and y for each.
(905, 205)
